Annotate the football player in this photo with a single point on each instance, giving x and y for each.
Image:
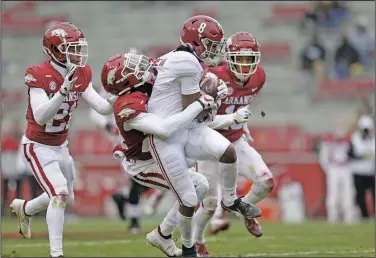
(55, 87)
(245, 78)
(127, 76)
(176, 86)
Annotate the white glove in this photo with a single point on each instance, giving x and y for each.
(69, 81)
(207, 102)
(242, 115)
(222, 90)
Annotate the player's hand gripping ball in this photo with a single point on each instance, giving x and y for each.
(209, 85)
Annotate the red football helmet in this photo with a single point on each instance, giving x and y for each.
(204, 35)
(66, 44)
(123, 72)
(243, 55)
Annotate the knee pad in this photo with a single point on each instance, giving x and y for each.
(190, 199)
(59, 201)
(210, 203)
(201, 185)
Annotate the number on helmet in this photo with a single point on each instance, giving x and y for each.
(202, 27)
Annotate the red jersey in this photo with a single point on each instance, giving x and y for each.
(127, 107)
(45, 76)
(238, 96)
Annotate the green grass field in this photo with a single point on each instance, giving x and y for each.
(101, 237)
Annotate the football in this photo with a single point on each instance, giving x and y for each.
(209, 84)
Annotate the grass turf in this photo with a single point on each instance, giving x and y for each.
(102, 237)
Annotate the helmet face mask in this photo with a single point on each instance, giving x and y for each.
(214, 51)
(122, 73)
(66, 45)
(243, 55)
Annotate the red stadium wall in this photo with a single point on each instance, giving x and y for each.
(286, 151)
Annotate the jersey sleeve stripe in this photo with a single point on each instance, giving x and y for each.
(157, 158)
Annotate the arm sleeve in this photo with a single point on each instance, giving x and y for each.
(222, 121)
(190, 84)
(98, 119)
(99, 104)
(44, 108)
(151, 124)
(189, 74)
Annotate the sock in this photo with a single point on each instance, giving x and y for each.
(201, 220)
(37, 204)
(133, 210)
(218, 213)
(55, 223)
(171, 221)
(258, 192)
(185, 224)
(228, 174)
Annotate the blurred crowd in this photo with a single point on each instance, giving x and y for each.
(353, 51)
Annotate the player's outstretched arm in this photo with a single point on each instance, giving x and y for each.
(99, 104)
(222, 121)
(151, 124)
(44, 108)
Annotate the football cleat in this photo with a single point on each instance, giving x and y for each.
(201, 250)
(165, 244)
(24, 221)
(189, 252)
(253, 227)
(246, 209)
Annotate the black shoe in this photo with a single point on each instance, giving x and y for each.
(134, 227)
(120, 201)
(246, 209)
(189, 252)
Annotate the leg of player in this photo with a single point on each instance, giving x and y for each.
(133, 207)
(207, 144)
(120, 199)
(208, 205)
(253, 167)
(348, 195)
(332, 194)
(170, 156)
(161, 237)
(218, 222)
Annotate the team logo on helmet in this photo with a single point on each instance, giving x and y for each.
(111, 76)
(59, 32)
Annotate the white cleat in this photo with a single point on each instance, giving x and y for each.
(24, 222)
(167, 246)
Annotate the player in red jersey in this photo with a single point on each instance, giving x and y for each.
(245, 78)
(55, 88)
(128, 77)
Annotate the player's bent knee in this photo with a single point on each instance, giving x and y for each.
(190, 199)
(229, 156)
(202, 187)
(210, 203)
(59, 201)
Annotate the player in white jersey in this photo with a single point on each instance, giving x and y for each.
(176, 86)
(134, 125)
(55, 88)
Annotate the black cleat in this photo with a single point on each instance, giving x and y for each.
(189, 252)
(246, 209)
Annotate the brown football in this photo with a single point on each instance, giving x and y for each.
(209, 84)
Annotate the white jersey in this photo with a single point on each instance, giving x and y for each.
(179, 74)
